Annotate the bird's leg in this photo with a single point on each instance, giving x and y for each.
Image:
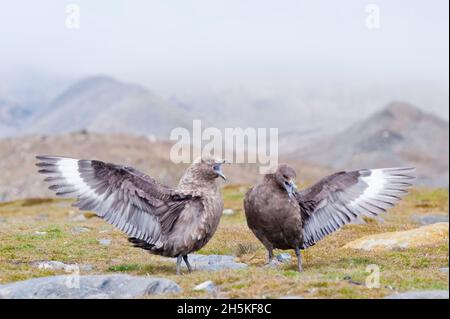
(179, 259)
(299, 259)
(270, 250)
(188, 265)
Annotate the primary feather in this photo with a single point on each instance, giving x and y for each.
(336, 200)
(166, 221)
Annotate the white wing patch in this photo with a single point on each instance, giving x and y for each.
(376, 191)
(68, 168)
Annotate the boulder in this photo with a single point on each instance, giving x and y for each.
(87, 287)
(434, 234)
(212, 262)
(429, 219)
(421, 294)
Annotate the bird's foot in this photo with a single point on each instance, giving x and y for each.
(188, 265)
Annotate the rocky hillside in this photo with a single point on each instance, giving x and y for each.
(103, 104)
(19, 177)
(400, 134)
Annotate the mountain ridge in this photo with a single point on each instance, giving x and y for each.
(398, 135)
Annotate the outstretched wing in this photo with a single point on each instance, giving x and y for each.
(128, 199)
(340, 198)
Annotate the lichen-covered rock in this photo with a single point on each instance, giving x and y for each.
(88, 287)
(434, 234)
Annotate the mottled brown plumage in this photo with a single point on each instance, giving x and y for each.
(166, 221)
(284, 218)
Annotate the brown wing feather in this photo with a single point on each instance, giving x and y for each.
(342, 197)
(128, 199)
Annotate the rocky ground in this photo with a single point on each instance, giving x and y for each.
(45, 244)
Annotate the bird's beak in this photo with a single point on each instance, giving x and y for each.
(220, 173)
(290, 188)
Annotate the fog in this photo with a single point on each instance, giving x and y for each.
(191, 49)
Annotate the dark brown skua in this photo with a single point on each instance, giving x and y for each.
(283, 218)
(171, 222)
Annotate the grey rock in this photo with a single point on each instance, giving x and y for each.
(284, 258)
(429, 219)
(421, 294)
(50, 265)
(444, 269)
(207, 286)
(212, 262)
(40, 233)
(79, 230)
(2, 220)
(58, 265)
(87, 287)
(104, 242)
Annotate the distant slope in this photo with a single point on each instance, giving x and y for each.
(103, 104)
(12, 113)
(19, 177)
(17, 158)
(400, 134)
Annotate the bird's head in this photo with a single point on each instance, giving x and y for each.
(285, 177)
(208, 168)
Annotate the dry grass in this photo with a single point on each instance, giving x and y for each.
(326, 264)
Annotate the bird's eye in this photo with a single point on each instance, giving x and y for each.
(216, 167)
(285, 177)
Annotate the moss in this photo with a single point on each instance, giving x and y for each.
(326, 265)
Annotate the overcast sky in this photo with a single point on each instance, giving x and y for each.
(174, 45)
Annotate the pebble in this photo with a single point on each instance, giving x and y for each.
(104, 242)
(205, 286)
(284, 258)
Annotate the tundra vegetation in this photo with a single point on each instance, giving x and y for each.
(47, 229)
